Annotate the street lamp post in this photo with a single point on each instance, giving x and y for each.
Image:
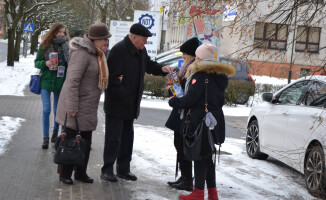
(293, 40)
(161, 45)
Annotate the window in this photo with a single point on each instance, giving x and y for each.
(270, 36)
(304, 72)
(316, 95)
(313, 1)
(307, 39)
(293, 94)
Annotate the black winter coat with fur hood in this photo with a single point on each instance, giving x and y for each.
(217, 75)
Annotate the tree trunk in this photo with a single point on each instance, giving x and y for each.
(103, 18)
(11, 47)
(17, 45)
(34, 42)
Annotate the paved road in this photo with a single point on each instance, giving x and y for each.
(28, 172)
(235, 126)
(3, 51)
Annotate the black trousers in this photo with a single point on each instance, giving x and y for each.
(66, 170)
(118, 145)
(185, 166)
(205, 171)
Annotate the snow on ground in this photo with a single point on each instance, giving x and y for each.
(3, 41)
(237, 176)
(13, 80)
(8, 127)
(270, 80)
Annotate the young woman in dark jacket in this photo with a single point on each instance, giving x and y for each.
(206, 67)
(188, 49)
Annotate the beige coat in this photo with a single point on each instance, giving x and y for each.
(80, 92)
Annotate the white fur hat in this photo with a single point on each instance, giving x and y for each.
(206, 51)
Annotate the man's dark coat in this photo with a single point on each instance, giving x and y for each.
(122, 99)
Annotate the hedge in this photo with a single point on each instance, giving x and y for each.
(237, 92)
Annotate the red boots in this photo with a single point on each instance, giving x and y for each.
(212, 193)
(195, 195)
(199, 195)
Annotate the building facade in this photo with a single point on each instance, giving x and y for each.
(161, 6)
(267, 44)
(277, 46)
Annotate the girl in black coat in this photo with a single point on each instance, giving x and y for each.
(184, 182)
(205, 67)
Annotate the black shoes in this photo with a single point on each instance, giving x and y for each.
(45, 144)
(186, 184)
(67, 181)
(127, 176)
(177, 181)
(83, 178)
(113, 178)
(109, 177)
(54, 136)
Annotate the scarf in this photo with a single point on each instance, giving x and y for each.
(103, 72)
(184, 68)
(60, 42)
(185, 92)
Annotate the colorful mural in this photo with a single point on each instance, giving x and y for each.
(204, 23)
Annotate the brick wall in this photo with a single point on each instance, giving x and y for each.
(280, 70)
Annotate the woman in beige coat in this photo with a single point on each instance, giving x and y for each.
(86, 77)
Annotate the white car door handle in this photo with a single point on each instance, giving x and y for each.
(285, 114)
(314, 116)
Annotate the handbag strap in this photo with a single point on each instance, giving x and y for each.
(65, 125)
(206, 103)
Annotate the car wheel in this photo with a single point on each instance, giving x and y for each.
(252, 142)
(314, 172)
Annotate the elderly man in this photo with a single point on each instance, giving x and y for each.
(128, 61)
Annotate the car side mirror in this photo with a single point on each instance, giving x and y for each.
(267, 96)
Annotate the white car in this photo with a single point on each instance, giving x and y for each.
(290, 127)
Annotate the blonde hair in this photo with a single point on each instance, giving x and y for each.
(188, 58)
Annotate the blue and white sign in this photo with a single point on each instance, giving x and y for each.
(29, 27)
(119, 30)
(180, 63)
(147, 20)
(152, 21)
(230, 13)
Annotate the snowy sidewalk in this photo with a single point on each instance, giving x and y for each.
(28, 172)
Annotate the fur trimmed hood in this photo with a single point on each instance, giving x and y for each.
(210, 66)
(82, 43)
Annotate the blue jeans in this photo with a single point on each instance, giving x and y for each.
(46, 100)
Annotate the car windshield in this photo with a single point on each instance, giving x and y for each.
(293, 94)
(164, 54)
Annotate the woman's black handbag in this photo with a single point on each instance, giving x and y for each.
(69, 151)
(192, 138)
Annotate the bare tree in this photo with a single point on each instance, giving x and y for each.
(120, 9)
(279, 31)
(16, 12)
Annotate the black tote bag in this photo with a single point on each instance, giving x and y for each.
(193, 138)
(69, 151)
